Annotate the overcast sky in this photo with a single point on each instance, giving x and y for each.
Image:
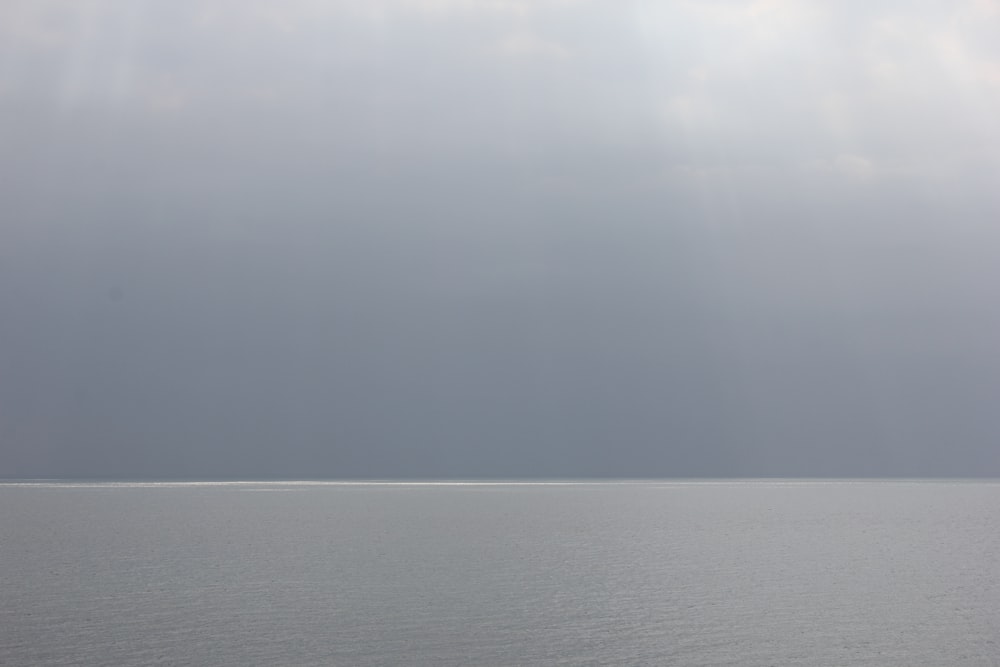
(499, 238)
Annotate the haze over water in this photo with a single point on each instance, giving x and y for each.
(499, 239)
(659, 573)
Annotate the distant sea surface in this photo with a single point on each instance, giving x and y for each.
(588, 573)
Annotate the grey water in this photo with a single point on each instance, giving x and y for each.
(759, 572)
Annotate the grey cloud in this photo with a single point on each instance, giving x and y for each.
(448, 238)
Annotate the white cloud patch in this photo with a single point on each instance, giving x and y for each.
(857, 168)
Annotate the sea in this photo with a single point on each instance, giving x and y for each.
(672, 572)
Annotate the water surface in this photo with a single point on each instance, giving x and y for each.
(658, 573)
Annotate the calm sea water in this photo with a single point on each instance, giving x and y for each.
(648, 573)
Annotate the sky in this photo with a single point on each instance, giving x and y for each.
(499, 238)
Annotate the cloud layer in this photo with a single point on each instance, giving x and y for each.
(498, 238)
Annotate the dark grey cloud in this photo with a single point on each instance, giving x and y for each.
(498, 238)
